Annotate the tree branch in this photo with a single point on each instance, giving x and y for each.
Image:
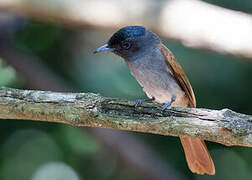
(87, 109)
(193, 22)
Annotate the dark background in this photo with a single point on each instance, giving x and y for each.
(39, 150)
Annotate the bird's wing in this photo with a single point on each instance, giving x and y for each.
(179, 74)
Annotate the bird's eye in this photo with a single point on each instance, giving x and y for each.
(126, 45)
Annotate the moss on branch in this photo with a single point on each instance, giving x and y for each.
(87, 109)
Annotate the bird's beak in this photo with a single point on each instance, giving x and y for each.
(104, 48)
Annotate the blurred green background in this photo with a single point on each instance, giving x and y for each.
(40, 151)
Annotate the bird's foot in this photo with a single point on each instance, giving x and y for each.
(166, 105)
(140, 101)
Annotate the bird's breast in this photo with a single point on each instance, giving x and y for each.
(156, 80)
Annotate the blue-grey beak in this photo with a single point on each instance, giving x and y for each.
(104, 48)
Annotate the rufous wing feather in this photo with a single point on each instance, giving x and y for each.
(197, 155)
(178, 74)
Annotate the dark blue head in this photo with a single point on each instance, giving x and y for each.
(130, 40)
(129, 33)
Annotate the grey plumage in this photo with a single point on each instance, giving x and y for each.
(146, 63)
(151, 73)
(162, 78)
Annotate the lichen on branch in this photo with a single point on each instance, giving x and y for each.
(87, 109)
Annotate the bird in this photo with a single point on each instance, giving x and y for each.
(163, 80)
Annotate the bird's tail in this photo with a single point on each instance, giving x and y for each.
(197, 156)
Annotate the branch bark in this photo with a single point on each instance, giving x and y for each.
(86, 109)
(195, 23)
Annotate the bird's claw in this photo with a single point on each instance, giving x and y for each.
(166, 105)
(139, 101)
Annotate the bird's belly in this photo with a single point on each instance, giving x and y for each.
(159, 84)
(160, 96)
(164, 94)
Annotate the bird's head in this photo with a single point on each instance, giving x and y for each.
(129, 41)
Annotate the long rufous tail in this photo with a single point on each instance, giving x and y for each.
(197, 156)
